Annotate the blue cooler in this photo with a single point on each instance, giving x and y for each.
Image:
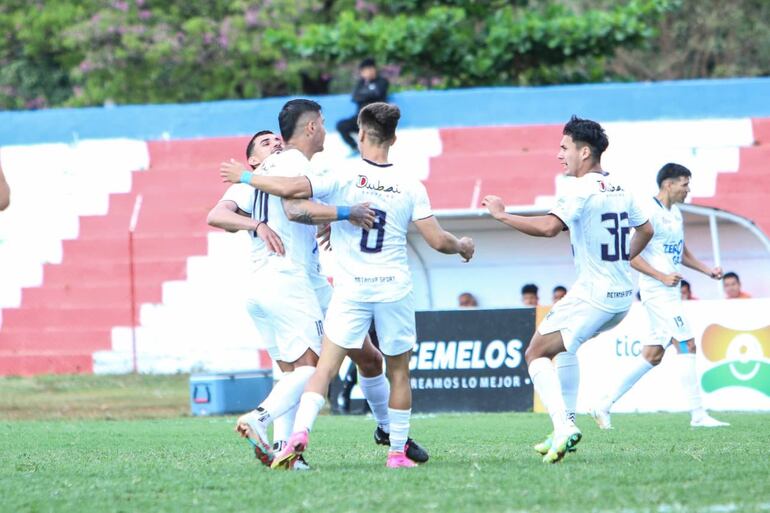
(229, 392)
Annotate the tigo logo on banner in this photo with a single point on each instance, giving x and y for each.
(742, 358)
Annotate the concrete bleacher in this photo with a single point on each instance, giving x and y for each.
(64, 267)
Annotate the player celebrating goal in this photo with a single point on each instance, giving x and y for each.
(660, 266)
(599, 214)
(373, 282)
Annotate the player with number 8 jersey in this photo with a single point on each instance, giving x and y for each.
(374, 283)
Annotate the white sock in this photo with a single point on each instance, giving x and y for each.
(285, 393)
(625, 381)
(689, 377)
(568, 369)
(547, 385)
(377, 392)
(399, 428)
(283, 426)
(309, 406)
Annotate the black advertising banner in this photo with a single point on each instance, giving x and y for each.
(472, 360)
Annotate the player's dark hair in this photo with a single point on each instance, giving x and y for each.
(672, 170)
(731, 275)
(379, 121)
(253, 141)
(685, 283)
(290, 114)
(369, 62)
(561, 288)
(529, 288)
(587, 132)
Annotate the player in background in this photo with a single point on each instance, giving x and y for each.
(302, 127)
(599, 214)
(236, 211)
(374, 282)
(660, 265)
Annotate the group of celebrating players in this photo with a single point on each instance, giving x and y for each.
(363, 211)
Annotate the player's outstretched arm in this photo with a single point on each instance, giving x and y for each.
(643, 266)
(286, 187)
(225, 215)
(537, 226)
(310, 212)
(443, 241)
(5, 192)
(642, 236)
(689, 260)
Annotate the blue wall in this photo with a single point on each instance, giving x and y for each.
(691, 99)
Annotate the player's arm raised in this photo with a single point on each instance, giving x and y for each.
(295, 187)
(643, 266)
(689, 260)
(227, 216)
(310, 212)
(537, 226)
(443, 241)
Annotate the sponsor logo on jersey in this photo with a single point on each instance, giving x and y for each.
(603, 187)
(742, 358)
(363, 182)
(675, 250)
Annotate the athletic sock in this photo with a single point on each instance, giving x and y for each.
(377, 392)
(399, 428)
(286, 393)
(309, 406)
(626, 380)
(568, 369)
(689, 377)
(283, 425)
(546, 383)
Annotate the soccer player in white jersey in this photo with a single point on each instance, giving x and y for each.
(660, 267)
(373, 280)
(240, 209)
(303, 292)
(599, 214)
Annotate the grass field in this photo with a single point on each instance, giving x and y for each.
(479, 463)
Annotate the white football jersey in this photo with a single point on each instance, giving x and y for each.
(664, 252)
(246, 198)
(298, 239)
(372, 264)
(599, 214)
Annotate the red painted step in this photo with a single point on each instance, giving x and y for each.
(32, 364)
(68, 296)
(54, 317)
(28, 339)
(485, 140)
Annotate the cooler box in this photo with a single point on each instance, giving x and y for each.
(229, 392)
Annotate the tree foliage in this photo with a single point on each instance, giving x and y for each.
(88, 52)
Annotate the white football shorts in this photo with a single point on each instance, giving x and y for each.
(667, 321)
(284, 307)
(348, 321)
(578, 321)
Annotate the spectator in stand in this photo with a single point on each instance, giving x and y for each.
(559, 291)
(731, 284)
(529, 295)
(370, 88)
(467, 300)
(5, 192)
(686, 291)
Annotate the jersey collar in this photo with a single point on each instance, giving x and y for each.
(376, 164)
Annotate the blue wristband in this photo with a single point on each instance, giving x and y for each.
(343, 213)
(246, 177)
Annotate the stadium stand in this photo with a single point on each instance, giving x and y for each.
(64, 264)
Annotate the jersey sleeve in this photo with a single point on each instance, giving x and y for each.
(325, 187)
(636, 214)
(569, 207)
(242, 195)
(421, 209)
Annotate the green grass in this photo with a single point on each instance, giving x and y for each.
(479, 463)
(128, 396)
